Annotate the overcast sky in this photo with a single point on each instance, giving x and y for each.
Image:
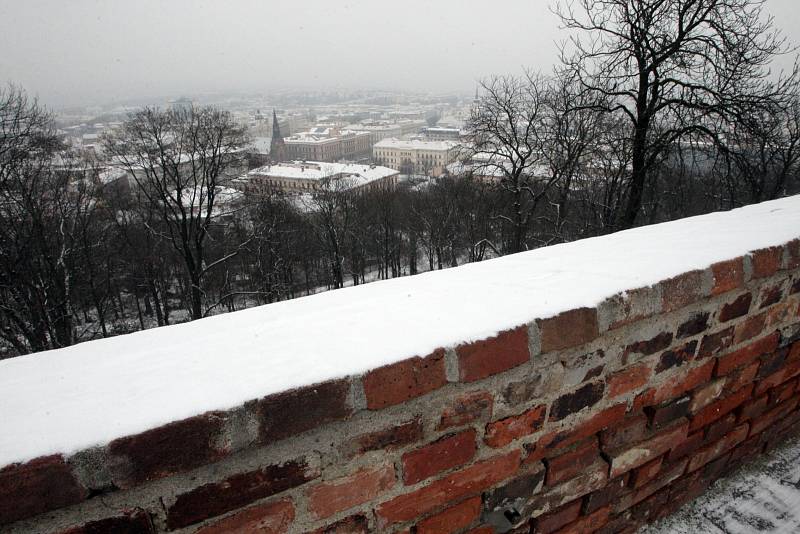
(81, 52)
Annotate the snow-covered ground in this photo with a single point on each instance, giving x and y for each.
(89, 394)
(763, 497)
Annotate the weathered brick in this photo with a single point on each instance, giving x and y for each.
(441, 455)
(568, 329)
(746, 449)
(453, 519)
(753, 408)
(630, 430)
(488, 357)
(771, 363)
(266, 518)
(570, 403)
(676, 357)
(692, 442)
(293, 412)
(628, 307)
(649, 346)
(591, 479)
(404, 380)
(572, 462)
(747, 354)
(132, 522)
(662, 415)
(728, 275)
(720, 427)
(738, 308)
(675, 386)
(750, 327)
(634, 456)
(355, 524)
(466, 409)
(390, 438)
(770, 295)
(793, 249)
(766, 261)
(694, 325)
(518, 489)
(501, 433)
(644, 474)
(628, 379)
(706, 394)
(706, 454)
(717, 409)
(742, 376)
(715, 343)
(578, 431)
(608, 494)
(782, 392)
(682, 290)
(452, 488)
(788, 372)
(330, 497)
(770, 417)
(166, 450)
(236, 491)
(668, 474)
(554, 520)
(589, 523)
(37, 486)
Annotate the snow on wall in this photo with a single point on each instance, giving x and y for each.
(73, 398)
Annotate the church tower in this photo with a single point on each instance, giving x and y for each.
(277, 149)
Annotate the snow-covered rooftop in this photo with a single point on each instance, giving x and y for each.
(76, 397)
(415, 144)
(320, 170)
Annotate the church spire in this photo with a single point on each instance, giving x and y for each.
(277, 148)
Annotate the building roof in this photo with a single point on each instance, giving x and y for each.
(416, 144)
(319, 170)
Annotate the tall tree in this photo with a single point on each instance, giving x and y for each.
(672, 68)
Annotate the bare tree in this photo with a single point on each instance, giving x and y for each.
(180, 159)
(672, 68)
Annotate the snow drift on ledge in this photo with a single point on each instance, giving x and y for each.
(69, 399)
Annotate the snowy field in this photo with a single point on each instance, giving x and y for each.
(764, 496)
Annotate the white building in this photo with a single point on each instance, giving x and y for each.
(416, 156)
(310, 176)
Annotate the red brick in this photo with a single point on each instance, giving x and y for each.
(736, 309)
(267, 518)
(569, 329)
(594, 424)
(747, 354)
(464, 483)
(631, 457)
(491, 356)
(782, 393)
(747, 449)
(571, 463)
(715, 343)
(692, 442)
(588, 523)
(575, 401)
(355, 524)
(753, 408)
(708, 393)
(794, 352)
(675, 386)
(662, 415)
(669, 473)
(750, 328)
(166, 450)
(481, 530)
(328, 498)
(694, 325)
(742, 376)
(766, 261)
(720, 427)
(132, 522)
(630, 430)
(714, 411)
(676, 357)
(290, 413)
(628, 379)
(591, 479)
(648, 509)
(706, 454)
(644, 474)
(781, 313)
(682, 290)
(771, 363)
(649, 346)
(37, 486)
(467, 409)
(398, 382)
(236, 491)
(390, 438)
(767, 419)
(608, 494)
(560, 517)
(770, 295)
(793, 248)
(453, 519)
(441, 455)
(501, 433)
(630, 306)
(728, 275)
(787, 373)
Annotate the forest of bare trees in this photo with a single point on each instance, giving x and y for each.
(659, 110)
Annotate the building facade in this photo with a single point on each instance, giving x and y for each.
(416, 156)
(299, 177)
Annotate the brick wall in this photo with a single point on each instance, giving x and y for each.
(596, 419)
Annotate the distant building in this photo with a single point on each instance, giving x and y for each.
(416, 156)
(277, 149)
(442, 134)
(300, 177)
(328, 144)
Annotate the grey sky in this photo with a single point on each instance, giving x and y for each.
(81, 51)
